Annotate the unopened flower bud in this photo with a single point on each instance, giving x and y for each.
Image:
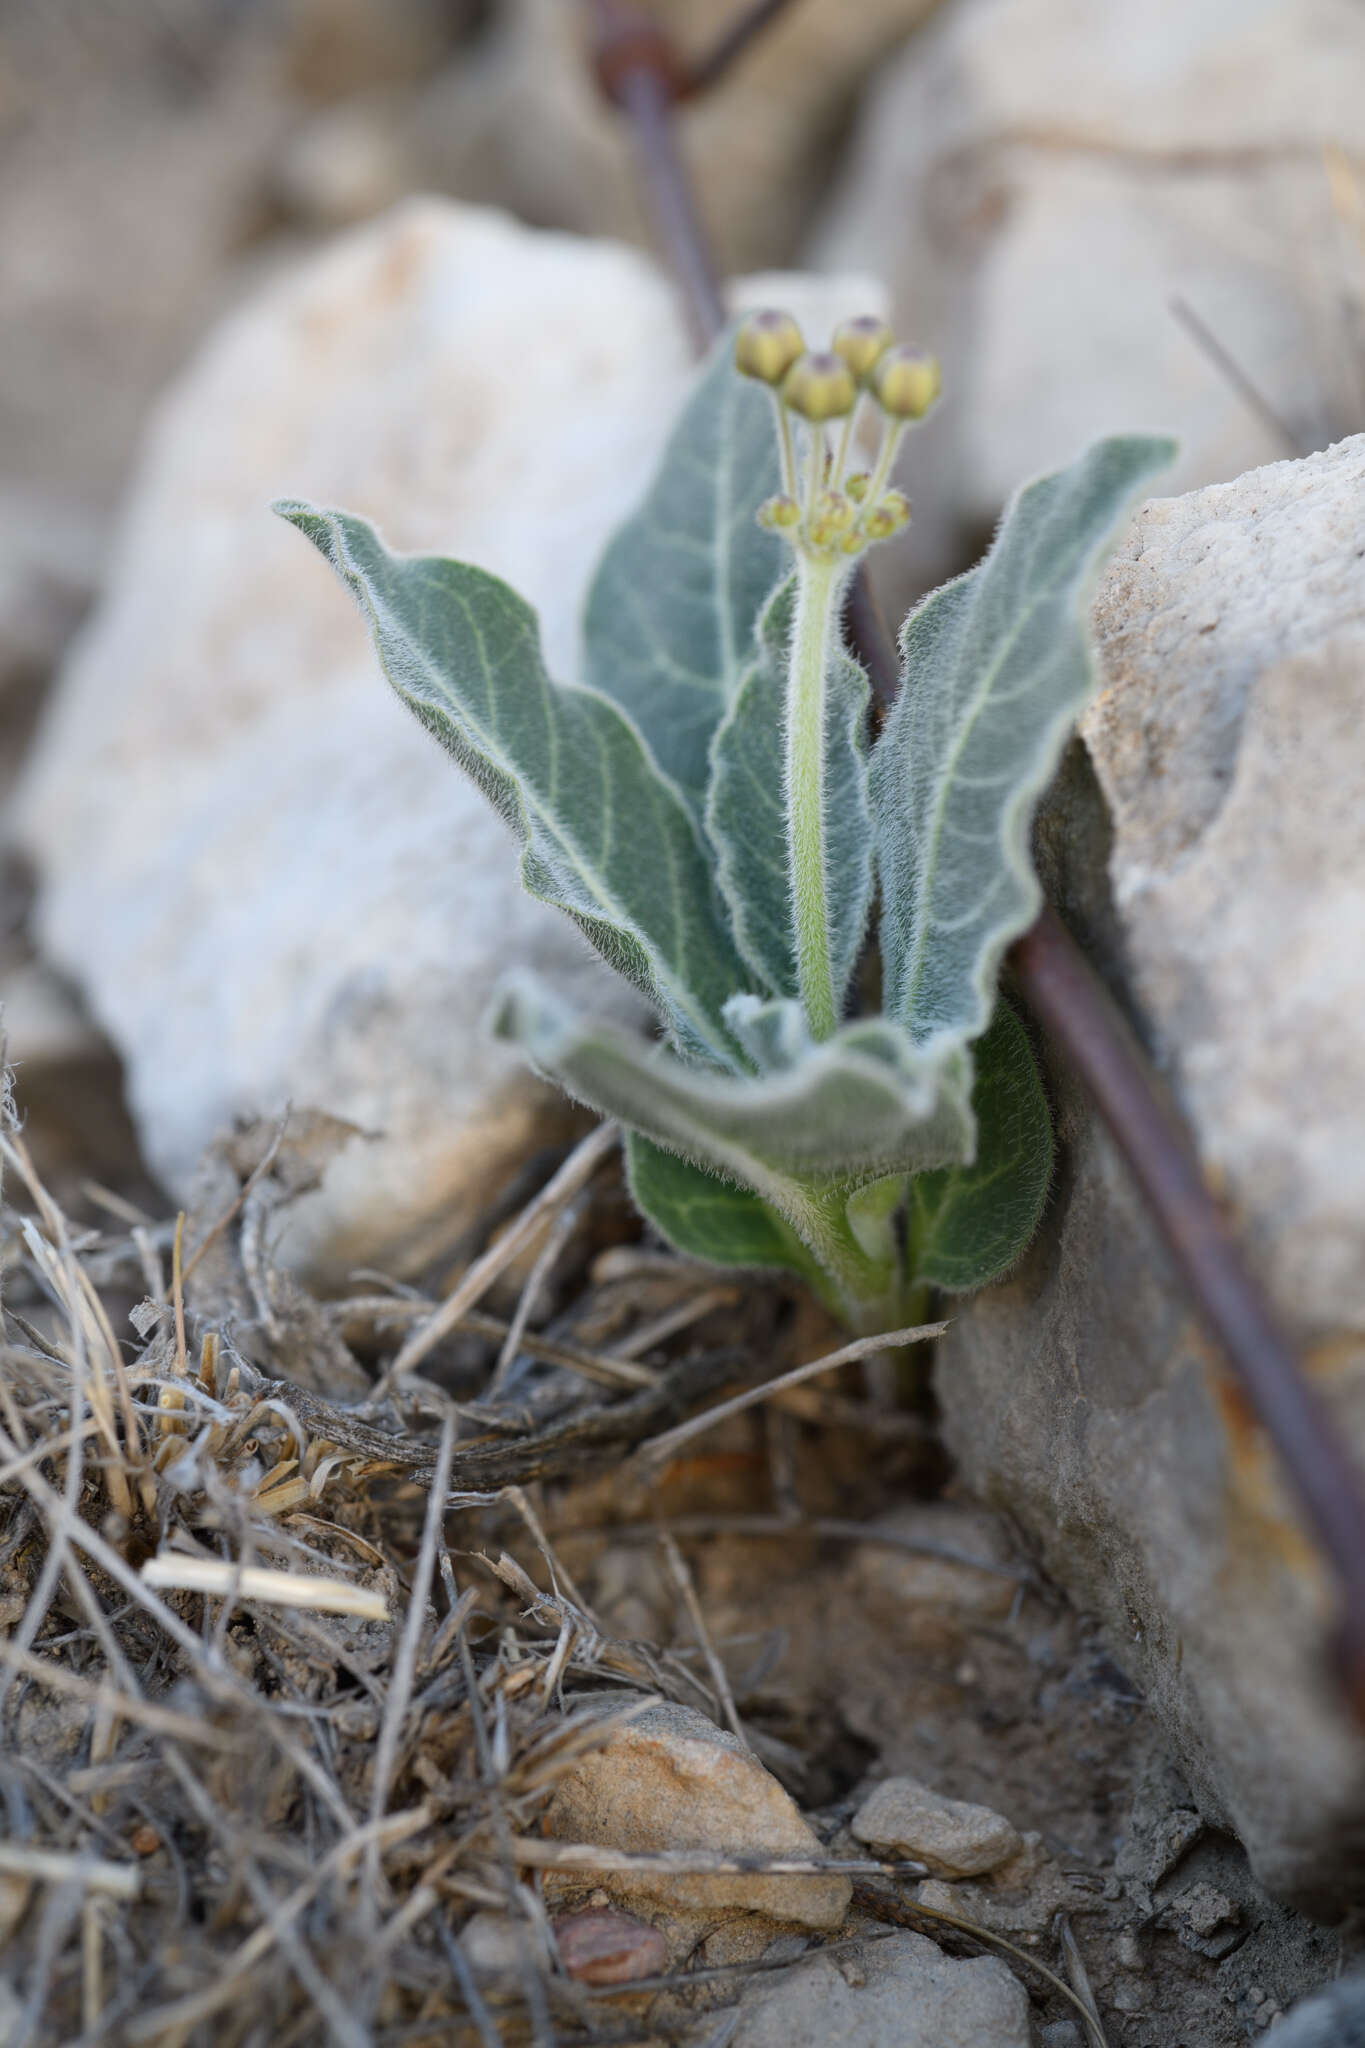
(855, 486)
(820, 387)
(888, 516)
(779, 512)
(767, 345)
(862, 343)
(906, 383)
(834, 509)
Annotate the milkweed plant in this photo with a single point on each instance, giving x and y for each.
(709, 805)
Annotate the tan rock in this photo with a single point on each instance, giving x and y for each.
(669, 1779)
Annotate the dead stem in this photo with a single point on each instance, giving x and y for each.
(664, 1446)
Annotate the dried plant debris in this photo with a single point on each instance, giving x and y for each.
(302, 1638)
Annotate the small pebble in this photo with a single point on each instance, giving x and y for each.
(606, 1946)
(906, 1819)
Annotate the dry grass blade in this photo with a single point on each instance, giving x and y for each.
(1080, 1982)
(176, 2020)
(674, 1320)
(547, 1258)
(92, 1873)
(609, 1370)
(682, 1579)
(244, 1193)
(400, 1685)
(577, 1170)
(904, 1911)
(104, 1698)
(538, 1854)
(254, 1582)
(665, 1445)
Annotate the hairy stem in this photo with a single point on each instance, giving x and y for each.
(862, 1286)
(881, 475)
(785, 450)
(819, 588)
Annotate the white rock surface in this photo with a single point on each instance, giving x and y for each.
(1228, 742)
(1040, 178)
(901, 1992)
(903, 1818)
(268, 881)
(670, 1779)
(1082, 1397)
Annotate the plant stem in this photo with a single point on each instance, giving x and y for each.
(784, 442)
(891, 441)
(863, 1289)
(819, 588)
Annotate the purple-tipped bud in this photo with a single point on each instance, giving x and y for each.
(767, 345)
(862, 343)
(779, 512)
(907, 383)
(888, 516)
(820, 387)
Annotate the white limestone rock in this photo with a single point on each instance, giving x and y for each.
(1082, 1397)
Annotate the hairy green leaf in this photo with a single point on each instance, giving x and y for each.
(774, 1034)
(859, 1106)
(708, 1218)
(969, 1224)
(604, 835)
(996, 667)
(746, 816)
(669, 628)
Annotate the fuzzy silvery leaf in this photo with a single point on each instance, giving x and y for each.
(707, 1218)
(996, 667)
(859, 1106)
(746, 815)
(604, 835)
(669, 628)
(774, 1033)
(968, 1225)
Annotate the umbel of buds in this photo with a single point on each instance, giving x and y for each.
(826, 513)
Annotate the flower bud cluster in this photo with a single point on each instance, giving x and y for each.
(827, 513)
